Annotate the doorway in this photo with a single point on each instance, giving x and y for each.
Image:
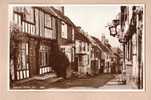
(33, 58)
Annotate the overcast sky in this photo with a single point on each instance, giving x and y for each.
(93, 19)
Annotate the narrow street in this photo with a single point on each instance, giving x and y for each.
(49, 49)
(116, 83)
(91, 82)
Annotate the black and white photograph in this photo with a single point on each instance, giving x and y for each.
(76, 47)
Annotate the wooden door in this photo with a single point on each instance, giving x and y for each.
(33, 58)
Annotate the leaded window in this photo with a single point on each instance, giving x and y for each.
(48, 21)
(45, 59)
(17, 21)
(29, 14)
(64, 30)
(23, 63)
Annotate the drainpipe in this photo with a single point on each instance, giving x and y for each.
(124, 66)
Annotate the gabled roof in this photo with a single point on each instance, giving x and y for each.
(117, 51)
(78, 34)
(81, 36)
(55, 12)
(91, 40)
(102, 46)
(94, 43)
(61, 16)
(45, 9)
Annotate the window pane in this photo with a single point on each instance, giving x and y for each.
(37, 21)
(23, 27)
(26, 28)
(48, 33)
(33, 29)
(54, 28)
(42, 24)
(64, 30)
(29, 28)
(19, 21)
(23, 60)
(47, 20)
(29, 14)
(15, 18)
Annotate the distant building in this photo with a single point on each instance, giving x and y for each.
(117, 56)
(108, 55)
(82, 53)
(97, 59)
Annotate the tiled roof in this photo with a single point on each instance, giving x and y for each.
(117, 51)
(62, 16)
(78, 34)
(103, 47)
(81, 36)
(45, 9)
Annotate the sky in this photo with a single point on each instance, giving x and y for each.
(93, 19)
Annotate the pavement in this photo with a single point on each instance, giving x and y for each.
(116, 84)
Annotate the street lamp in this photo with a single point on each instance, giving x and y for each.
(113, 27)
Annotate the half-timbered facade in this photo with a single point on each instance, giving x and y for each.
(33, 38)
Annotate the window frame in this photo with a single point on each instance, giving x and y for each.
(33, 16)
(49, 33)
(46, 16)
(64, 30)
(22, 69)
(17, 19)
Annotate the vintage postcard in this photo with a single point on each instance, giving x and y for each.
(76, 47)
